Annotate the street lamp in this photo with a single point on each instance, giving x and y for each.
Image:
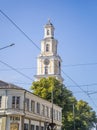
(7, 46)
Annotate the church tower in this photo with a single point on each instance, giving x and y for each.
(49, 62)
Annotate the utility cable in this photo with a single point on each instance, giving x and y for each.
(75, 65)
(79, 87)
(16, 70)
(19, 29)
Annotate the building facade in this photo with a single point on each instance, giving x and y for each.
(49, 62)
(21, 110)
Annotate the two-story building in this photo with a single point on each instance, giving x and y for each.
(22, 110)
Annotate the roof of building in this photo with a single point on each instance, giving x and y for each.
(5, 85)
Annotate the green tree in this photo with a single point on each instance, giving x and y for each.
(75, 113)
(85, 117)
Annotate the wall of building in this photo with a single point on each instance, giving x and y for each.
(24, 116)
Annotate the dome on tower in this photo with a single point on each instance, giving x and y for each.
(49, 24)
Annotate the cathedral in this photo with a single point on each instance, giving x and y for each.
(48, 61)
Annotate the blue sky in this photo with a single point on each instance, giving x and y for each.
(75, 23)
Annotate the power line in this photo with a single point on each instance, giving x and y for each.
(73, 65)
(19, 29)
(92, 93)
(76, 65)
(84, 85)
(79, 87)
(16, 70)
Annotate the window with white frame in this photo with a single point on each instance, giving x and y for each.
(48, 32)
(16, 102)
(47, 111)
(46, 69)
(27, 104)
(0, 100)
(38, 107)
(51, 112)
(32, 127)
(47, 47)
(43, 110)
(54, 113)
(26, 126)
(42, 128)
(57, 115)
(60, 116)
(32, 106)
(37, 127)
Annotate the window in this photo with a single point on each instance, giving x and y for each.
(59, 64)
(54, 113)
(0, 100)
(46, 69)
(47, 47)
(18, 102)
(37, 127)
(25, 126)
(47, 112)
(27, 104)
(47, 32)
(42, 128)
(59, 114)
(32, 127)
(32, 106)
(38, 108)
(43, 110)
(15, 102)
(50, 112)
(14, 118)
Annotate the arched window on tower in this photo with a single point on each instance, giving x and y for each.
(47, 47)
(48, 32)
(59, 67)
(46, 69)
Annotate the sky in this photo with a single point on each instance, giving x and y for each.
(75, 23)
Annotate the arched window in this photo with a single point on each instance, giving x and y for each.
(59, 67)
(47, 47)
(46, 69)
(48, 32)
(59, 64)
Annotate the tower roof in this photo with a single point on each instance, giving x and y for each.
(49, 24)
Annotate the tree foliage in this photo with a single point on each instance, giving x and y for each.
(75, 113)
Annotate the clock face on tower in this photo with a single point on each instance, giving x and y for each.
(46, 61)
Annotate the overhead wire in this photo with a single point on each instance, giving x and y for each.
(77, 65)
(19, 29)
(9, 66)
(71, 65)
(39, 49)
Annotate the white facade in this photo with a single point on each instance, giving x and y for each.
(49, 62)
(21, 110)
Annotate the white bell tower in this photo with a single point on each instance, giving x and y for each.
(49, 62)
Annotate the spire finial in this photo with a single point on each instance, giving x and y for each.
(49, 21)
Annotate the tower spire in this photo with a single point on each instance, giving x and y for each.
(49, 21)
